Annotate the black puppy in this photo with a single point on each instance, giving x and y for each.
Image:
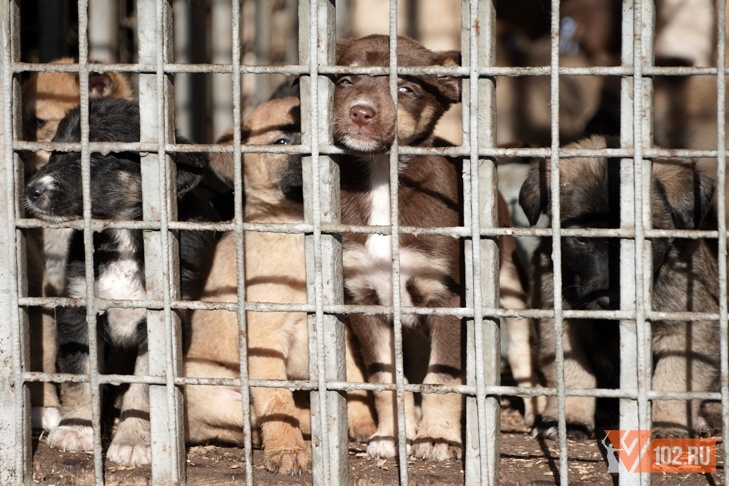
(55, 194)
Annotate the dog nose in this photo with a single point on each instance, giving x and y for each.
(604, 302)
(34, 191)
(361, 115)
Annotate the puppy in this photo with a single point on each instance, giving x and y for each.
(685, 354)
(54, 194)
(47, 97)
(275, 271)
(364, 121)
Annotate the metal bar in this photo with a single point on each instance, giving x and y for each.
(721, 210)
(628, 336)
(89, 243)
(323, 252)
(395, 255)
(643, 22)
(103, 31)
(16, 452)
(244, 385)
(556, 243)
(168, 464)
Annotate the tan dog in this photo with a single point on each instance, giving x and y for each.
(685, 353)
(47, 97)
(274, 272)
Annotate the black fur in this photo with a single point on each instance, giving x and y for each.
(116, 194)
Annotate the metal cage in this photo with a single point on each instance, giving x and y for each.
(155, 68)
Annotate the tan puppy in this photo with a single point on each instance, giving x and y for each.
(685, 354)
(274, 272)
(47, 97)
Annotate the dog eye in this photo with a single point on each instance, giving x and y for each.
(282, 141)
(344, 81)
(405, 89)
(580, 240)
(39, 122)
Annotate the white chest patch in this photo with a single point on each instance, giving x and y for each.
(370, 267)
(121, 280)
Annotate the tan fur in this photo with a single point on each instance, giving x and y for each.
(277, 341)
(685, 354)
(48, 97)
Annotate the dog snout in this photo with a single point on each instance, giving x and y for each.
(603, 302)
(361, 115)
(35, 190)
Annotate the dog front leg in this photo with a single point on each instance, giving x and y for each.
(360, 414)
(131, 443)
(578, 373)
(687, 359)
(285, 451)
(74, 432)
(376, 340)
(439, 433)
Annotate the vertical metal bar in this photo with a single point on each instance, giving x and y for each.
(89, 241)
(245, 389)
(642, 139)
(323, 252)
(395, 255)
(104, 31)
(721, 206)
(480, 203)
(159, 202)
(556, 243)
(628, 338)
(16, 450)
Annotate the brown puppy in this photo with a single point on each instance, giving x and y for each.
(47, 97)
(365, 120)
(685, 354)
(274, 272)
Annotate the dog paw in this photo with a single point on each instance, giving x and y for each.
(361, 429)
(436, 449)
(548, 429)
(46, 418)
(71, 438)
(288, 460)
(384, 447)
(131, 455)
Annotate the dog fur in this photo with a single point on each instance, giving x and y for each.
(47, 97)
(275, 271)
(54, 194)
(685, 354)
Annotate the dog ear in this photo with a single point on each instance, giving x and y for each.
(688, 194)
(190, 168)
(450, 86)
(535, 193)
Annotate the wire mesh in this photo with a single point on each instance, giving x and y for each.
(480, 230)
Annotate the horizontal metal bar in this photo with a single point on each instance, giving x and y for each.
(354, 386)
(293, 69)
(458, 151)
(102, 304)
(329, 228)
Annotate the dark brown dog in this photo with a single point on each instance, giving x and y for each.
(685, 354)
(365, 120)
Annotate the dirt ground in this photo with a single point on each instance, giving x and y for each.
(524, 461)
